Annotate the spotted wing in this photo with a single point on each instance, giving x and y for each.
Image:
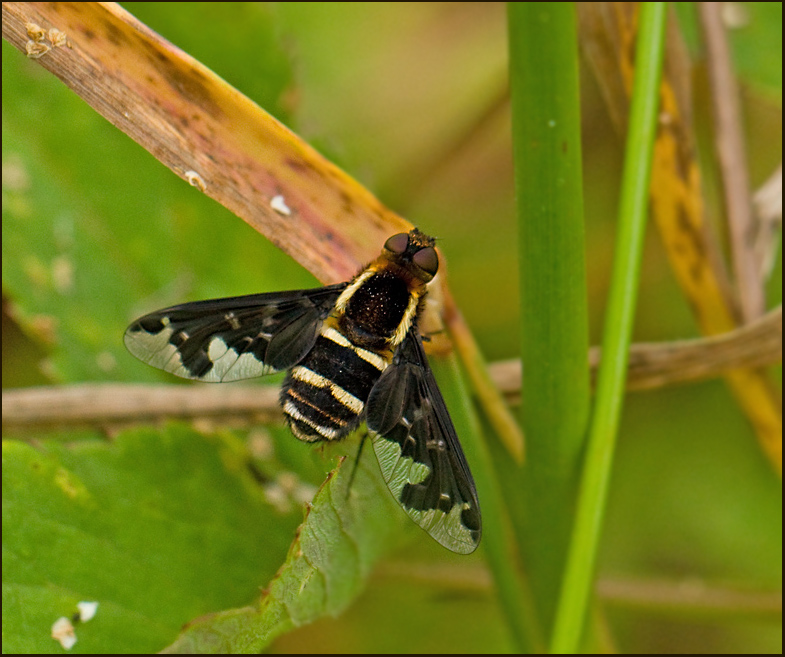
(233, 338)
(419, 453)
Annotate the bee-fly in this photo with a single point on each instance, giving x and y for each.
(354, 353)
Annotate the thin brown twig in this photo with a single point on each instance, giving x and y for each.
(115, 405)
(670, 596)
(657, 365)
(693, 596)
(732, 161)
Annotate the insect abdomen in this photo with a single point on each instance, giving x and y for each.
(324, 396)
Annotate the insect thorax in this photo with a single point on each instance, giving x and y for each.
(324, 396)
(377, 311)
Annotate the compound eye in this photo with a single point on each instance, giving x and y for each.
(397, 243)
(427, 260)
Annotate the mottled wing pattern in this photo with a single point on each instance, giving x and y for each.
(419, 453)
(232, 338)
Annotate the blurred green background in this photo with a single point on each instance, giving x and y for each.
(411, 99)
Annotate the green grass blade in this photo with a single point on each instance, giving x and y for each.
(572, 610)
(554, 346)
(498, 542)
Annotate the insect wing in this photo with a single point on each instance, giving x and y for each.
(419, 453)
(232, 338)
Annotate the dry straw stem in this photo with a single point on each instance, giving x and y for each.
(608, 36)
(210, 135)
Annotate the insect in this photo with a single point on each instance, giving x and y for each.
(353, 353)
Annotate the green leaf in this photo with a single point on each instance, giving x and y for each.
(348, 527)
(158, 527)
